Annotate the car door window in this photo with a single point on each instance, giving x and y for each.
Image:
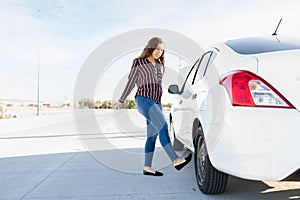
(205, 62)
(182, 75)
(189, 78)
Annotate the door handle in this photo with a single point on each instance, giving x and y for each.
(194, 96)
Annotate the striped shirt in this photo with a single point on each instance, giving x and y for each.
(148, 79)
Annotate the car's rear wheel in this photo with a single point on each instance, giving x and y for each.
(177, 145)
(209, 179)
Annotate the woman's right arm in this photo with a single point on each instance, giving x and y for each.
(132, 78)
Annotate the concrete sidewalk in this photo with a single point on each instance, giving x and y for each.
(79, 176)
(43, 158)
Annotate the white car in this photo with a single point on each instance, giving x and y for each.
(238, 111)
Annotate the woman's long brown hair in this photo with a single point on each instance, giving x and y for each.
(151, 46)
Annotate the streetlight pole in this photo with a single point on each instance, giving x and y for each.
(38, 80)
(38, 66)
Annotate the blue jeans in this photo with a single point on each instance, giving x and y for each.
(156, 125)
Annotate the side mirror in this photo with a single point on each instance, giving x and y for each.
(173, 89)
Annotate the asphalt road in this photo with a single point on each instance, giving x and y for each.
(57, 157)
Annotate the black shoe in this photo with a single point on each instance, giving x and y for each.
(187, 160)
(157, 173)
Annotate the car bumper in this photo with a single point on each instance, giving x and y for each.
(256, 143)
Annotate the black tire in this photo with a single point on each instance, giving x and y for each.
(177, 145)
(209, 179)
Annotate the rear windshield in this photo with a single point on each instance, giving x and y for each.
(262, 45)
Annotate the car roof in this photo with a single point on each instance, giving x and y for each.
(258, 45)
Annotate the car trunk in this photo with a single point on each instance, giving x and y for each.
(282, 71)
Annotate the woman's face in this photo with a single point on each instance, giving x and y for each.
(158, 51)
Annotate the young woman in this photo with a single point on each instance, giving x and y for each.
(146, 72)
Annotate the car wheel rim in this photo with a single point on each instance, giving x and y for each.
(201, 161)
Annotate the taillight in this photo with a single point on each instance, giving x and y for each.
(247, 89)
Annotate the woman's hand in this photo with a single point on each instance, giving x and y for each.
(119, 105)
